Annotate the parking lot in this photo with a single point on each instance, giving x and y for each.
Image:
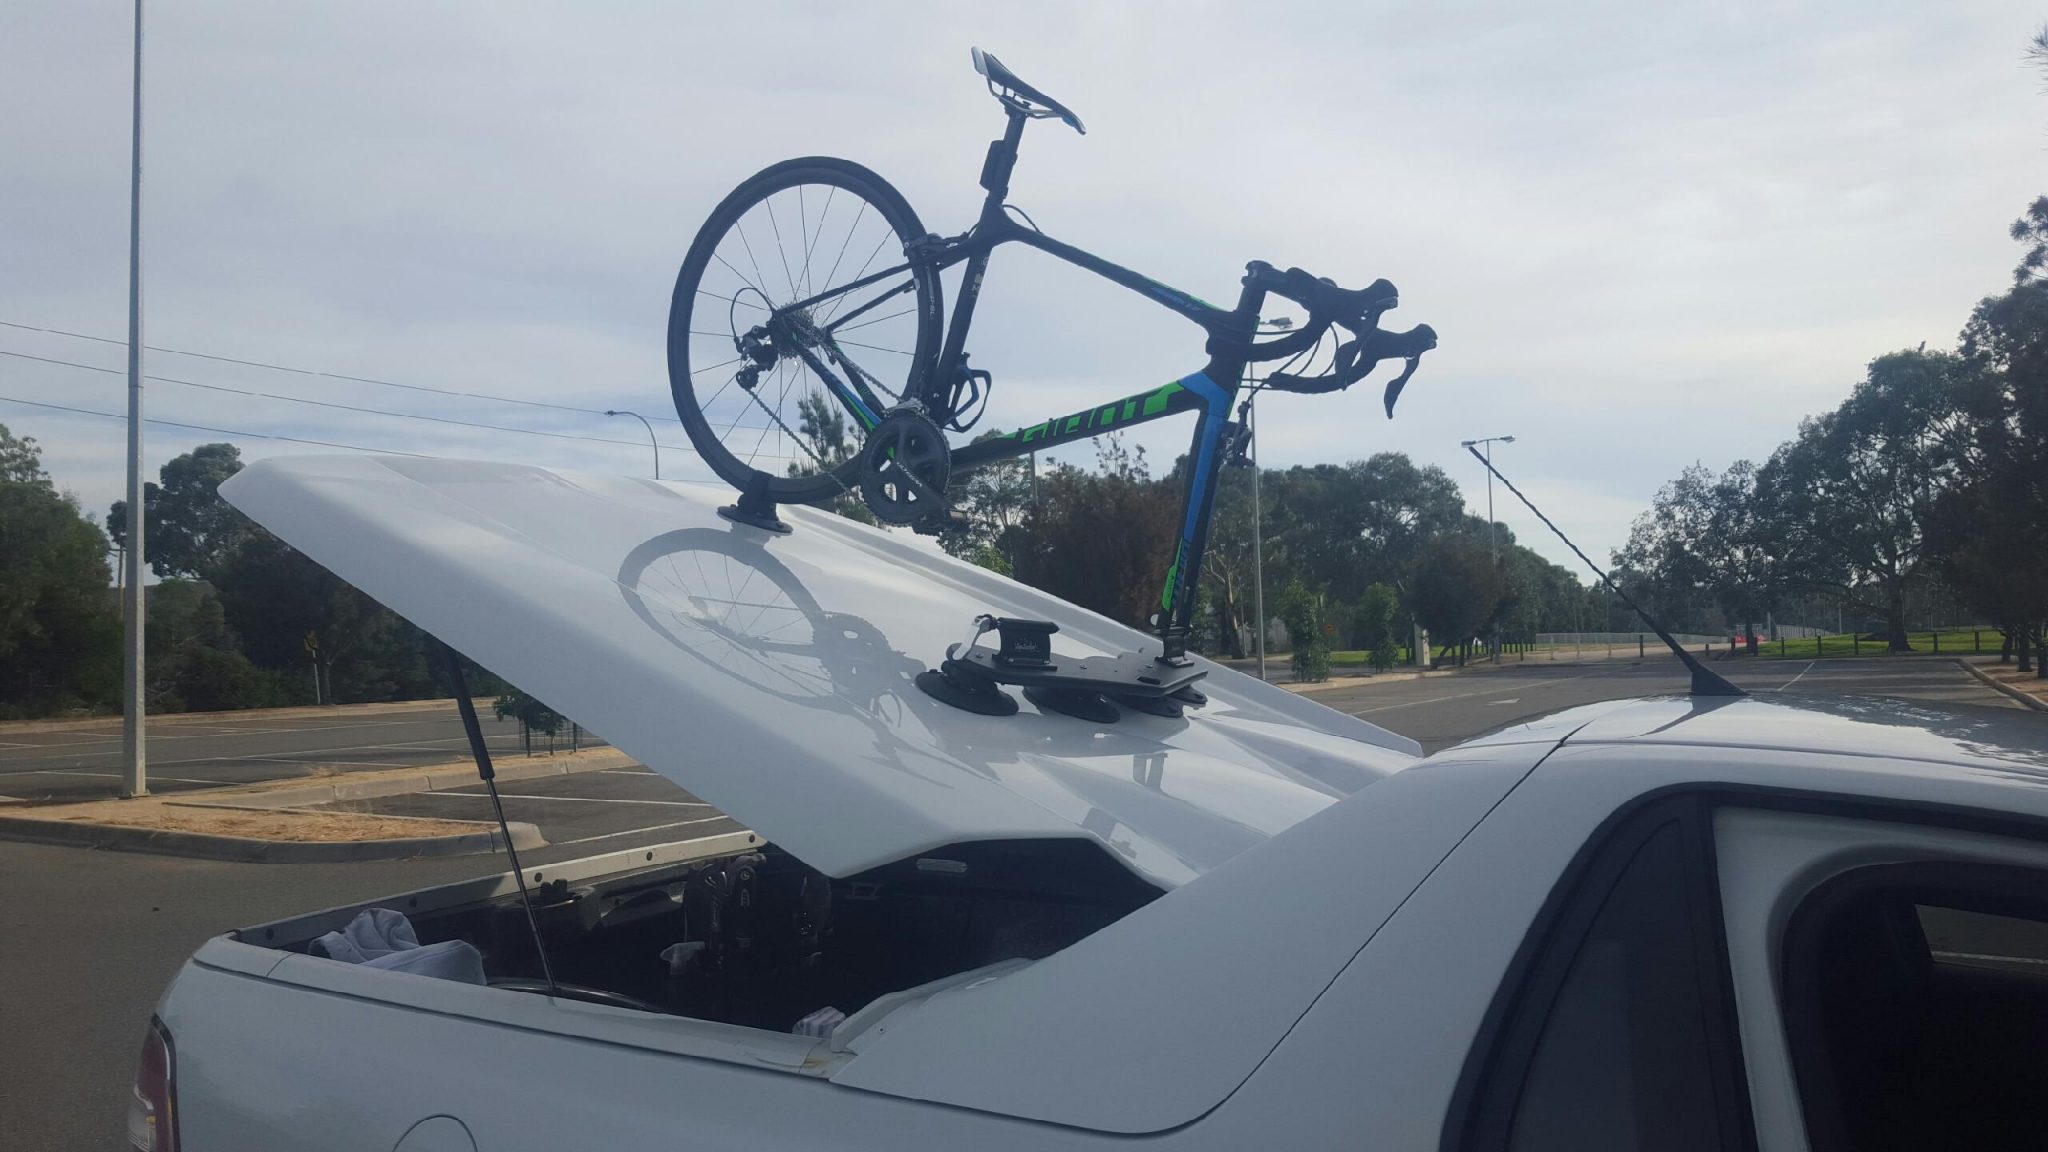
(89, 939)
(602, 811)
(71, 762)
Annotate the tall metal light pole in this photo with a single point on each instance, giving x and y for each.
(643, 421)
(1492, 543)
(134, 752)
(1258, 538)
(1251, 414)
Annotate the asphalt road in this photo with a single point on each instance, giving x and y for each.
(1438, 711)
(602, 811)
(88, 940)
(187, 753)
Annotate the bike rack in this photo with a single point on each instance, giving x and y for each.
(1090, 688)
(756, 509)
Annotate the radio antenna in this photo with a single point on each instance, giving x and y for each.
(489, 776)
(1705, 681)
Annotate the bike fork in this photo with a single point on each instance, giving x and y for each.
(1217, 386)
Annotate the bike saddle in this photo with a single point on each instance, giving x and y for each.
(1013, 91)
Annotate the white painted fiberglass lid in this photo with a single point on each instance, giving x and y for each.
(771, 675)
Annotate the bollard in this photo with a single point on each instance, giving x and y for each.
(1976, 640)
(1816, 645)
(1937, 643)
(1856, 643)
(1639, 645)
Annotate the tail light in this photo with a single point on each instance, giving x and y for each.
(153, 1111)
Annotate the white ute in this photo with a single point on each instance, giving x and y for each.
(1664, 924)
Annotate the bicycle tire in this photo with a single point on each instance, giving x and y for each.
(692, 301)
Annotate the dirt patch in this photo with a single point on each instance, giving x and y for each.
(2010, 676)
(277, 824)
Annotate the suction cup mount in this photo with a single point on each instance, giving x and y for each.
(755, 509)
(968, 693)
(1082, 688)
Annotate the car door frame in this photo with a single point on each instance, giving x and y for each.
(1482, 1108)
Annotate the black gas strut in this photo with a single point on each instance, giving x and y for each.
(489, 776)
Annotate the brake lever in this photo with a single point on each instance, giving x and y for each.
(1395, 385)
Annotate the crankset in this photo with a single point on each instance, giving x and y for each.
(904, 466)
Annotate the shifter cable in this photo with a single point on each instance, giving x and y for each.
(1705, 681)
(489, 775)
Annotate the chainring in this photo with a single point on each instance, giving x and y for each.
(904, 466)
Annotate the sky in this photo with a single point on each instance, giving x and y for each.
(1648, 235)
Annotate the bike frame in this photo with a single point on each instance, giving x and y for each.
(1208, 392)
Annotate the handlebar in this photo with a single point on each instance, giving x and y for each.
(1357, 358)
(1358, 311)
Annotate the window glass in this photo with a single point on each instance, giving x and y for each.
(1981, 939)
(1623, 1061)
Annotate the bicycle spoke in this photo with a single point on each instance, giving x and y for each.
(843, 243)
(877, 320)
(863, 269)
(820, 233)
(876, 348)
(740, 274)
(740, 226)
(720, 364)
(735, 299)
(769, 204)
(804, 227)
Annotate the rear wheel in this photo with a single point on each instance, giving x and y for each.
(743, 357)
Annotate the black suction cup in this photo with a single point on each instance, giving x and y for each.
(966, 693)
(1189, 695)
(1082, 705)
(755, 510)
(1165, 706)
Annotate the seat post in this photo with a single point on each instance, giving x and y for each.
(1002, 157)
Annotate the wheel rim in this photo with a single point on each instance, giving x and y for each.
(761, 402)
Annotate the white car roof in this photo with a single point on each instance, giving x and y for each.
(1932, 740)
(771, 675)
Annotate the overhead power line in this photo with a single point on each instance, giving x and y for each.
(332, 404)
(361, 408)
(207, 428)
(250, 435)
(313, 372)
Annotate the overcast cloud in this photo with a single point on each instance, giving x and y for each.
(1648, 234)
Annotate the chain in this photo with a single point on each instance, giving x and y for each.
(800, 442)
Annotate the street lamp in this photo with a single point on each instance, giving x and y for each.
(1278, 323)
(650, 435)
(1492, 544)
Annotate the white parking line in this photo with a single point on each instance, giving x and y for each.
(1468, 695)
(114, 776)
(574, 799)
(638, 831)
(509, 739)
(1796, 679)
(198, 731)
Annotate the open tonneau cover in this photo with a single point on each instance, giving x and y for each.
(771, 675)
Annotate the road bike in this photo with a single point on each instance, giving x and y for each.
(782, 329)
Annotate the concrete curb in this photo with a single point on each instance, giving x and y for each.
(2034, 702)
(165, 842)
(1335, 683)
(297, 712)
(438, 778)
(242, 849)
